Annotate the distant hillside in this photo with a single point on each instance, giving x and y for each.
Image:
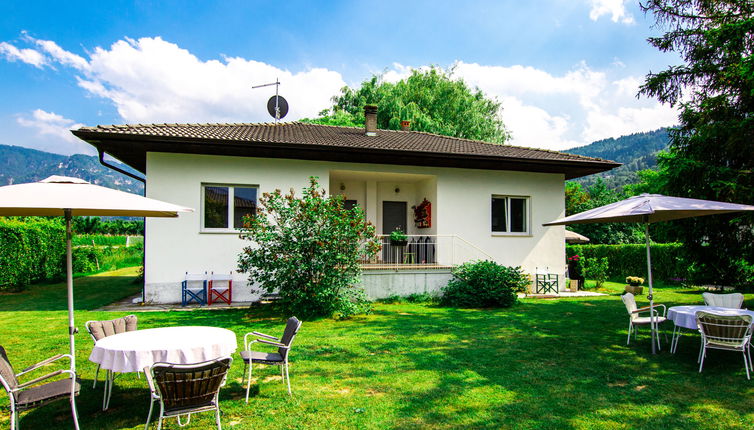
(636, 151)
(19, 165)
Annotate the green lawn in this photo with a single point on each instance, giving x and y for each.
(541, 364)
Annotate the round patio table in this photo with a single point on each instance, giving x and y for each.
(134, 350)
(685, 317)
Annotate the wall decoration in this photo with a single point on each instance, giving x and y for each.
(423, 214)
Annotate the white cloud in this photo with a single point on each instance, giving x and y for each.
(51, 125)
(615, 8)
(61, 55)
(27, 55)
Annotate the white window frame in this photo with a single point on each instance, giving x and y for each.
(231, 197)
(527, 221)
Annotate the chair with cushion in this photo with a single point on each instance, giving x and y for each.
(733, 300)
(634, 320)
(220, 288)
(184, 389)
(725, 332)
(194, 289)
(101, 329)
(279, 358)
(30, 394)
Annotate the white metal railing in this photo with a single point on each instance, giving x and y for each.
(424, 252)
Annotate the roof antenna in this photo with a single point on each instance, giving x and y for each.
(277, 106)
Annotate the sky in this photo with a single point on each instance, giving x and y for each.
(567, 72)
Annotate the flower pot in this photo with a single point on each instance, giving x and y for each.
(635, 290)
(399, 242)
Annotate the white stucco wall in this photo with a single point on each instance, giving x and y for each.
(460, 206)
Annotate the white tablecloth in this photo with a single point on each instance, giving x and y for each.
(135, 350)
(685, 316)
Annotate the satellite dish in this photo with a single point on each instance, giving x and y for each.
(280, 103)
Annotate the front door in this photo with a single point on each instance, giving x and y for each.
(393, 217)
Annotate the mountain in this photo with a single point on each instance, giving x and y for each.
(19, 165)
(636, 151)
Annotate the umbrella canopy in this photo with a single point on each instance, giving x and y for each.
(573, 237)
(647, 209)
(52, 196)
(651, 208)
(64, 196)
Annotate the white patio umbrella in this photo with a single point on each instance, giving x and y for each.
(64, 196)
(647, 209)
(573, 237)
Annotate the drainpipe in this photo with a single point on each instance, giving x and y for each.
(143, 181)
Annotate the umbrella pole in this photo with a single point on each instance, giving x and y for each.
(69, 282)
(652, 323)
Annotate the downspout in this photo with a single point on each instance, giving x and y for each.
(143, 181)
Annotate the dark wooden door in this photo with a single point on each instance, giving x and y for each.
(393, 216)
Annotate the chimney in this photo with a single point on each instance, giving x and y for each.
(406, 125)
(370, 120)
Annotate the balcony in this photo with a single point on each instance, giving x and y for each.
(424, 252)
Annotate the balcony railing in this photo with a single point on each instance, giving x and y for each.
(424, 252)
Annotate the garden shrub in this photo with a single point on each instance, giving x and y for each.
(595, 268)
(86, 259)
(308, 250)
(30, 251)
(481, 284)
(668, 259)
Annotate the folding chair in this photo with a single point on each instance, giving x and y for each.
(194, 288)
(218, 289)
(545, 282)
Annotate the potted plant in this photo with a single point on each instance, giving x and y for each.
(398, 237)
(634, 285)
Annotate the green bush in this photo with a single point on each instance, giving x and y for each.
(595, 268)
(98, 240)
(86, 259)
(308, 250)
(30, 251)
(481, 284)
(668, 259)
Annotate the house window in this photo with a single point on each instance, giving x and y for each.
(510, 214)
(218, 213)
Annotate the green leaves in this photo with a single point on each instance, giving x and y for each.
(308, 250)
(481, 284)
(30, 251)
(431, 99)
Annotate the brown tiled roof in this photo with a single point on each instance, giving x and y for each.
(301, 138)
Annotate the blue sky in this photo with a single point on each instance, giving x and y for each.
(566, 71)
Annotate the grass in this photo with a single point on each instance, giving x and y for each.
(543, 364)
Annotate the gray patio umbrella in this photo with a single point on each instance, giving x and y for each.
(647, 209)
(64, 196)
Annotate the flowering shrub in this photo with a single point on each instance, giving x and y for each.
(634, 281)
(308, 251)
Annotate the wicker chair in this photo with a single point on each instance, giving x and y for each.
(28, 395)
(634, 320)
(733, 300)
(725, 332)
(279, 358)
(184, 389)
(101, 329)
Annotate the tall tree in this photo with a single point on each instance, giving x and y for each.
(711, 154)
(431, 99)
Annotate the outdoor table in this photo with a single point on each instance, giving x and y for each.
(685, 317)
(134, 350)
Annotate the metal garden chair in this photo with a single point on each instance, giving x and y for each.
(194, 288)
(279, 358)
(184, 389)
(634, 320)
(28, 395)
(220, 288)
(725, 332)
(101, 329)
(732, 300)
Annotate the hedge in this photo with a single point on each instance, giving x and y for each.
(668, 259)
(30, 251)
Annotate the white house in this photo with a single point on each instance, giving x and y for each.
(458, 199)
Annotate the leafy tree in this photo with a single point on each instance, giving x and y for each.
(710, 155)
(308, 250)
(579, 200)
(431, 99)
